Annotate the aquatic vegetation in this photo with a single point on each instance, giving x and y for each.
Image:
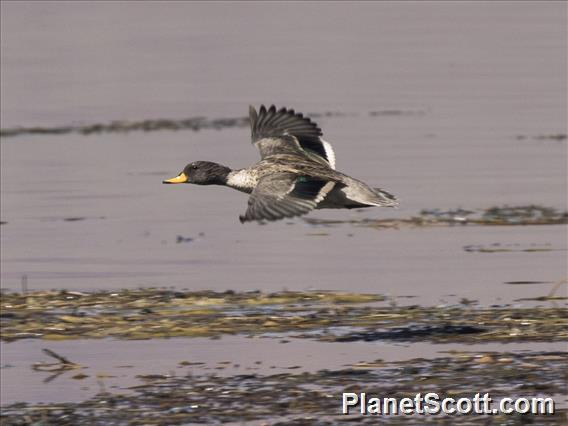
(504, 215)
(315, 397)
(119, 126)
(326, 316)
(151, 125)
(169, 124)
(531, 214)
(509, 248)
(395, 112)
(559, 137)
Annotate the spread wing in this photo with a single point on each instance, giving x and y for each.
(281, 195)
(284, 131)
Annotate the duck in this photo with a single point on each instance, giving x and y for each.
(295, 175)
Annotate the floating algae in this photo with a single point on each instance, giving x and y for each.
(327, 316)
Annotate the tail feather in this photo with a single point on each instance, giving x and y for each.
(385, 198)
(357, 195)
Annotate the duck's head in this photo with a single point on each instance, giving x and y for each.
(202, 173)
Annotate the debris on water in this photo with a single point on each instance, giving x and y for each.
(509, 248)
(552, 137)
(182, 239)
(394, 112)
(71, 218)
(80, 376)
(454, 215)
(303, 397)
(62, 365)
(194, 123)
(331, 114)
(151, 125)
(58, 357)
(504, 216)
(524, 215)
(158, 313)
(411, 333)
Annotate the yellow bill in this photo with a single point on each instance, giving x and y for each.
(181, 178)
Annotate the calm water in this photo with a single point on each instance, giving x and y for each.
(113, 365)
(472, 77)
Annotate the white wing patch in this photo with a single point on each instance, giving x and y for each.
(324, 191)
(330, 154)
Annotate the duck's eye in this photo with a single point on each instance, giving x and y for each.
(193, 167)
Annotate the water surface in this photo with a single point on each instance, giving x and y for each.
(476, 88)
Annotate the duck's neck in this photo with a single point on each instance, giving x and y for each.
(242, 180)
(216, 175)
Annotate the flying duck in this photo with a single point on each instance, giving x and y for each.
(295, 175)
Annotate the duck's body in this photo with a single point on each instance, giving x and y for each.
(346, 192)
(295, 175)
